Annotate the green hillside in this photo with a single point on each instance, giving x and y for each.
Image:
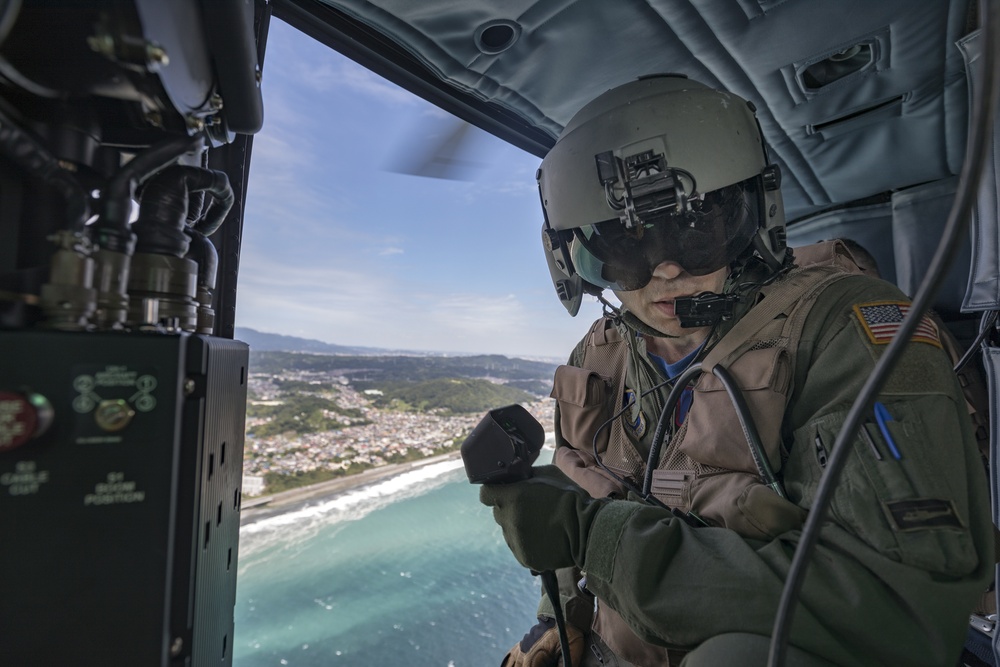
(454, 395)
(300, 413)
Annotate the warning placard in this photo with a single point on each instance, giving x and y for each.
(115, 490)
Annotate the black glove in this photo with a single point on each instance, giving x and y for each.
(540, 647)
(545, 519)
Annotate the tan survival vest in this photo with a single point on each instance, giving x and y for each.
(706, 467)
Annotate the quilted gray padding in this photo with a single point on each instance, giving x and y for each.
(896, 121)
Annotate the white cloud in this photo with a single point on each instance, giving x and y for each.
(330, 76)
(312, 254)
(357, 307)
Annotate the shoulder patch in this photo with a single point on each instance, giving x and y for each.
(882, 319)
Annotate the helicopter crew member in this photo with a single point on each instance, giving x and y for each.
(660, 190)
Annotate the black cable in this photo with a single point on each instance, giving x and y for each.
(165, 208)
(597, 455)
(551, 585)
(28, 152)
(989, 319)
(680, 384)
(976, 150)
(117, 197)
(749, 430)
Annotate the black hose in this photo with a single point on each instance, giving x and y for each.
(680, 384)
(113, 227)
(981, 125)
(749, 431)
(216, 184)
(204, 254)
(551, 585)
(29, 154)
(164, 210)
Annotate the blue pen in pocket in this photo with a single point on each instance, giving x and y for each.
(882, 417)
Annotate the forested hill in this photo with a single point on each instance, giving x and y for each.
(383, 372)
(453, 395)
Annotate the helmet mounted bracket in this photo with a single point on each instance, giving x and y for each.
(649, 187)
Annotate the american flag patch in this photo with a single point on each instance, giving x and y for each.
(882, 319)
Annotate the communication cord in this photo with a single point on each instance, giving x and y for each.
(749, 431)
(551, 586)
(680, 384)
(981, 125)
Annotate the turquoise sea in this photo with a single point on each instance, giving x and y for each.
(410, 571)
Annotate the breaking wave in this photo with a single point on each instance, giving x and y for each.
(303, 522)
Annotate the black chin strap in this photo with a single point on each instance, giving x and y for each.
(621, 316)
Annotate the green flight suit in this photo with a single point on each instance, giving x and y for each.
(907, 549)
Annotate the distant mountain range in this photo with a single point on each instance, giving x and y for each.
(382, 369)
(260, 341)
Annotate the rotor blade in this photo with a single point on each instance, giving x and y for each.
(438, 148)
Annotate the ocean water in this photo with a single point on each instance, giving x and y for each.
(410, 571)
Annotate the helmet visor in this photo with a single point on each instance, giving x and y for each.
(710, 236)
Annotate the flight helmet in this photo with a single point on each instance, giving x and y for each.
(661, 168)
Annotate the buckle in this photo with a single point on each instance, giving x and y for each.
(985, 624)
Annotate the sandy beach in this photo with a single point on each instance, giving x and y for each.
(262, 507)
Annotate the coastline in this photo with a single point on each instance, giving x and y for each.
(262, 507)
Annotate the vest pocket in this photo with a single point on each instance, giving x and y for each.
(913, 509)
(583, 406)
(714, 435)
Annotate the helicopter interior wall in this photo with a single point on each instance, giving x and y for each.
(901, 234)
(876, 86)
(919, 215)
(983, 292)
(868, 225)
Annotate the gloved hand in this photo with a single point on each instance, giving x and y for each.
(545, 519)
(540, 647)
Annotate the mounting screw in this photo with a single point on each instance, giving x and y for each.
(215, 101)
(176, 646)
(551, 240)
(156, 56)
(195, 123)
(189, 386)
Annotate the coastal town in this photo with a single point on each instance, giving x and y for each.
(367, 436)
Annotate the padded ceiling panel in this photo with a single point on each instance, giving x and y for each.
(896, 120)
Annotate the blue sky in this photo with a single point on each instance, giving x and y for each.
(338, 248)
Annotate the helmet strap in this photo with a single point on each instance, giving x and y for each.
(622, 316)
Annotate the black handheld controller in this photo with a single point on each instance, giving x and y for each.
(501, 449)
(503, 446)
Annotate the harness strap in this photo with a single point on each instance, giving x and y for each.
(797, 287)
